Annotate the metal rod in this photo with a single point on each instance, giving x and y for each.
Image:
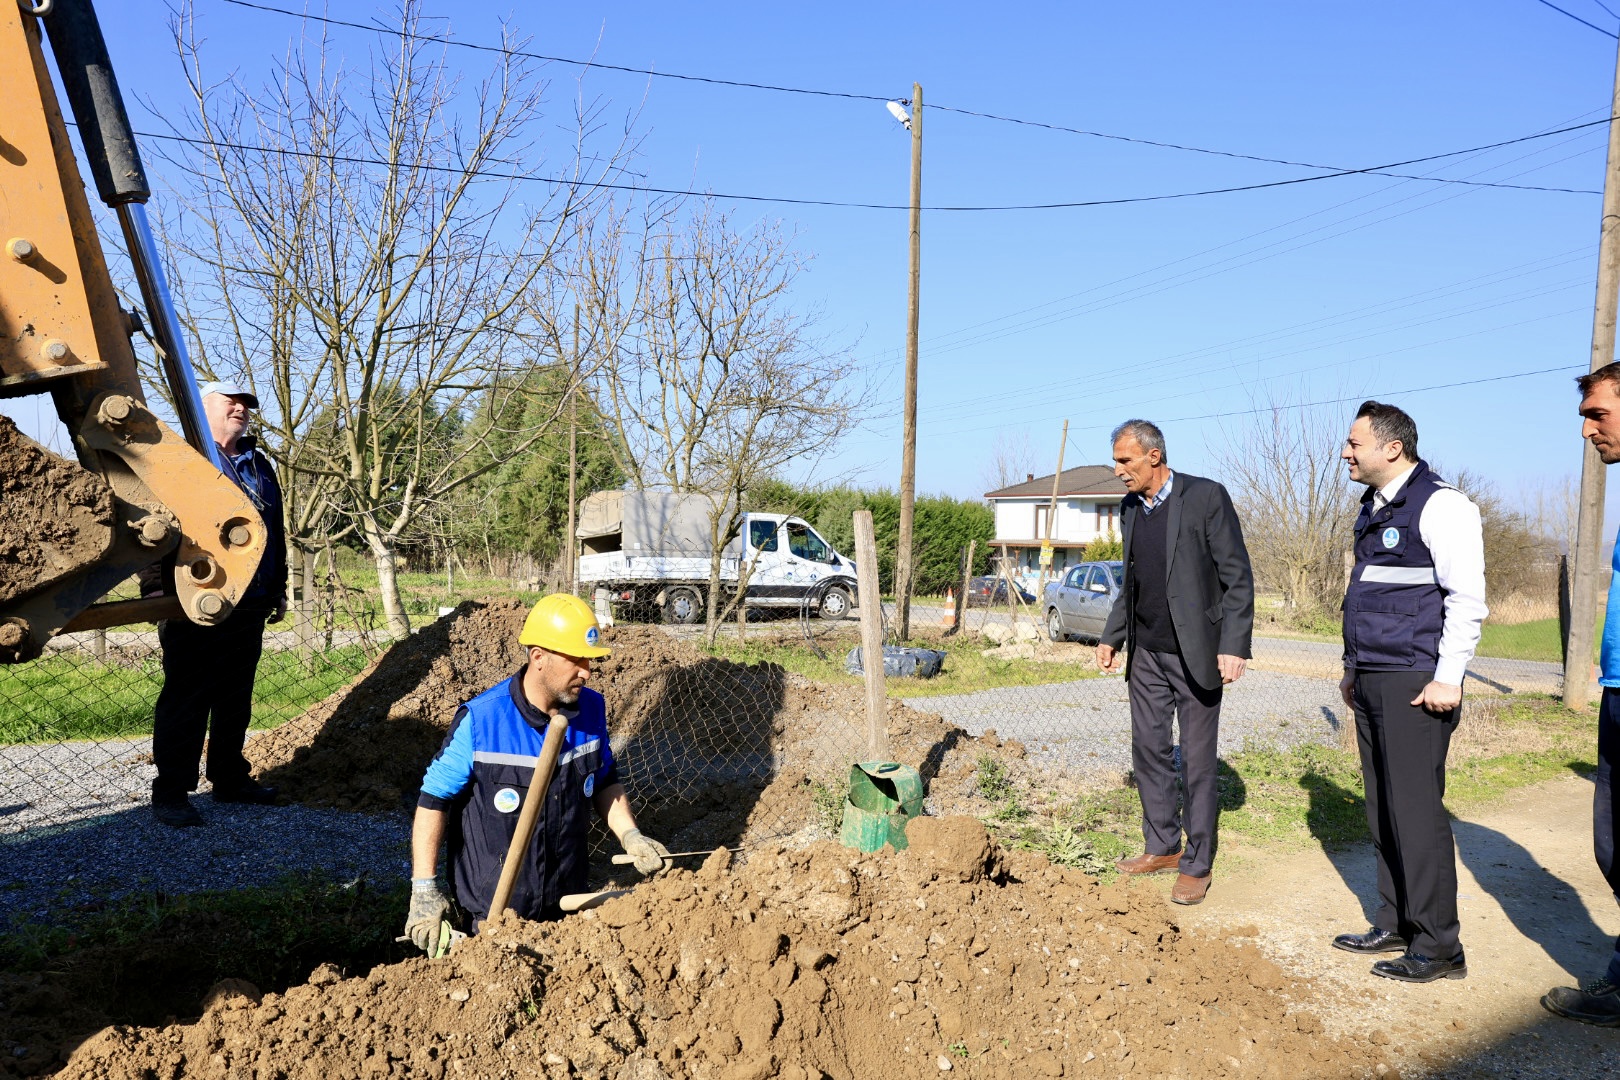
(166, 329)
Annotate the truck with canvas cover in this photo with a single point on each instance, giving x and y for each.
(654, 551)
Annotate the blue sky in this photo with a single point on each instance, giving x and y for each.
(1177, 310)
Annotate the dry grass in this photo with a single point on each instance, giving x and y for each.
(1491, 727)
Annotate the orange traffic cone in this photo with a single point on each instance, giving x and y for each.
(950, 608)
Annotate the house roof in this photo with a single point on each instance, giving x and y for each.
(1080, 480)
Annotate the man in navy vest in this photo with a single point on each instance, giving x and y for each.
(1598, 1002)
(1412, 614)
(477, 782)
(1186, 615)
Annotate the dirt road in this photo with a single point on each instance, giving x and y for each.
(1535, 914)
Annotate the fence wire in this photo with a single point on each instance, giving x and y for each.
(741, 738)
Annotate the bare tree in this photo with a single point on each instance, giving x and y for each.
(1295, 499)
(1012, 461)
(718, 383)
(375, 256)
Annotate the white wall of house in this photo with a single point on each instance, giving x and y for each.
(1080, 520)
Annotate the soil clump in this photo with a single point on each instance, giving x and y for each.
(58, 515)
(817, 962)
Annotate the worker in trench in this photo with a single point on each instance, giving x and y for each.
(477, 782)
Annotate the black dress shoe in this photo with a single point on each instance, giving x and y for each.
(247, 792)
(1416, 968)
(1373, 941)
(177, 815)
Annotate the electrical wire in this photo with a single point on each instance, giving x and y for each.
(354, 159)
(1333, 170)
(1572, 15)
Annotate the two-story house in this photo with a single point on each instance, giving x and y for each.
(1088, 498)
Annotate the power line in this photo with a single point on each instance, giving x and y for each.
(1332, 170)
(353, 159)
(1561, 11)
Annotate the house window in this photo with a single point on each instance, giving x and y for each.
(1107, 519)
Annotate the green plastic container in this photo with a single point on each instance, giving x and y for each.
(883, 797)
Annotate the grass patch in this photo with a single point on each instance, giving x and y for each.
(71, 696)
(966, 669)
(153, 957)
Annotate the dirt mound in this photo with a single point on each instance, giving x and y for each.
(58, 516)
(819, 962)
(713, 752)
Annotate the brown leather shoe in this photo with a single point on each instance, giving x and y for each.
(1190, 890)
(1149, 864)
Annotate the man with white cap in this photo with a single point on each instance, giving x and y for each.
(208, 671)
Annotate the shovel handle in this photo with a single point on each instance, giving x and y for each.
(539, 784)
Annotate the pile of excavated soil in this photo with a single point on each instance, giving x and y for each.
(819, 962)
(713, 752)
(58, 516)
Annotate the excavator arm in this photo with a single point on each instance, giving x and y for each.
(137, 491)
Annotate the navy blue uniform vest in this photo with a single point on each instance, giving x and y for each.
(1394, 608)
(505, 748)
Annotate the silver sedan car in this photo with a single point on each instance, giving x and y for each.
(1077, 604)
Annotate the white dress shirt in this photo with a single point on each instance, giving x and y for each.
(1450, 528)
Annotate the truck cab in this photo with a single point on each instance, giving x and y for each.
(788, 558)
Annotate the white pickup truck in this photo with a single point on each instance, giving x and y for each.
(652, 551)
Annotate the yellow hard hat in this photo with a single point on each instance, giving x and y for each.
(563, 623)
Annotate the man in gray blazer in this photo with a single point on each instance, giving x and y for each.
(1186, 619)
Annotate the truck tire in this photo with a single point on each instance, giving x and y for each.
(683, 606)
(836, 604)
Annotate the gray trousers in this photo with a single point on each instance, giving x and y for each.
(1403, 767)
(1162, 691)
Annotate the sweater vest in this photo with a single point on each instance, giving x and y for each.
(1150, 555)
(1394, 609)
(506, 749)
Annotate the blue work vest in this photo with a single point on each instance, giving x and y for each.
(505, 749)
(1394, 608)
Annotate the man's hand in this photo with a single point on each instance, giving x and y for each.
(428, 909)
(1438, 698)
(278, 612)
(1106, 656)
(1347, 688)
(1231, 667)
(650, 855)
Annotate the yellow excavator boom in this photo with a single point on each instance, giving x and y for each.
(137, 491)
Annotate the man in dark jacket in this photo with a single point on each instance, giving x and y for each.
(1186, 618)
(476, 785)
(208, 671)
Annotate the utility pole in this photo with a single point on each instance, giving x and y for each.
(908, 452)
(573, 455)
(1589, 525)
(1051, 517)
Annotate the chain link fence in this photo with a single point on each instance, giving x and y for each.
(732, 740)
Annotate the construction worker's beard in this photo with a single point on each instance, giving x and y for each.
(568, 695)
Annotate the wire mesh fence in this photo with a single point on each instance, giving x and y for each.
(745, 732)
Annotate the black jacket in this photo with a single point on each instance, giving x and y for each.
(1210, 585)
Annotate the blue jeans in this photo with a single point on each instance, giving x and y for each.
(1604, 819)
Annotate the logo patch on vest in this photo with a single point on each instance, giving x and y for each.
(1392, 536)
(590, 785)
(590, 636)
(506, 800)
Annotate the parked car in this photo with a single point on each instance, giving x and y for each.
(1077, 604)
(991, 590)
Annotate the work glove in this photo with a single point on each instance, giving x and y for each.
(429, 906)
(650, 855)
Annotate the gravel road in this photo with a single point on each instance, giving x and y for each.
(1084, 727)
(76, 831)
